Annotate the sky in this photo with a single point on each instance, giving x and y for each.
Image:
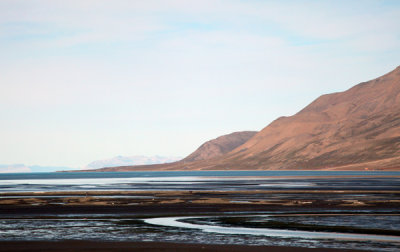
(88, 80)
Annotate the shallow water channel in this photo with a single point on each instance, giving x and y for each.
(225, 229)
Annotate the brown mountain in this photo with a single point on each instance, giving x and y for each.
(355, 129)
(219, 146)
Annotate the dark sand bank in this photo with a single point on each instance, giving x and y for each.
(188, 202)
(86, 246)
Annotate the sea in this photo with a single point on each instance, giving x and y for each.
(176, 180)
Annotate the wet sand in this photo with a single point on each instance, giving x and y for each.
(187, 202)
(89, 246)
(327, 197)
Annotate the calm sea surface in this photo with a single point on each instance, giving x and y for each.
(190, 180)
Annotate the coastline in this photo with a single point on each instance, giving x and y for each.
(84, 218)
(156, 168)
(101, 246)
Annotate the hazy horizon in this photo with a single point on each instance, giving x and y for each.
(89, 80)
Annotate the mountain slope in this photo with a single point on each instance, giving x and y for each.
(357, 126)
(219, 146)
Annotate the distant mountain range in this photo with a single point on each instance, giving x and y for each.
(130, 160)
(358, 129)
(17, 168)
(115, 161)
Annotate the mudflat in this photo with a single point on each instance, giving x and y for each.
(112, 220)
(182, 201)
(86, 246)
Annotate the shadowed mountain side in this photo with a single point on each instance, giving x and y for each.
(351, 130)
(219, 146)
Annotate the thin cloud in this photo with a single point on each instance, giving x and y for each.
(104, 78)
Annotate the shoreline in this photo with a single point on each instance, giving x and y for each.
(114, 169)
(111, 246)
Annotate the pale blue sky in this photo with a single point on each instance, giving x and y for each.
(88, 80)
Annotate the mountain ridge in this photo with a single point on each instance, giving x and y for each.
(367, 114)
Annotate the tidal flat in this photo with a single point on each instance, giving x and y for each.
(308, 213)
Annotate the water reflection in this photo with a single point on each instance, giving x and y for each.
(178, 222)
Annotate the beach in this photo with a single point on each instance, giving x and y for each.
(306, 213)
